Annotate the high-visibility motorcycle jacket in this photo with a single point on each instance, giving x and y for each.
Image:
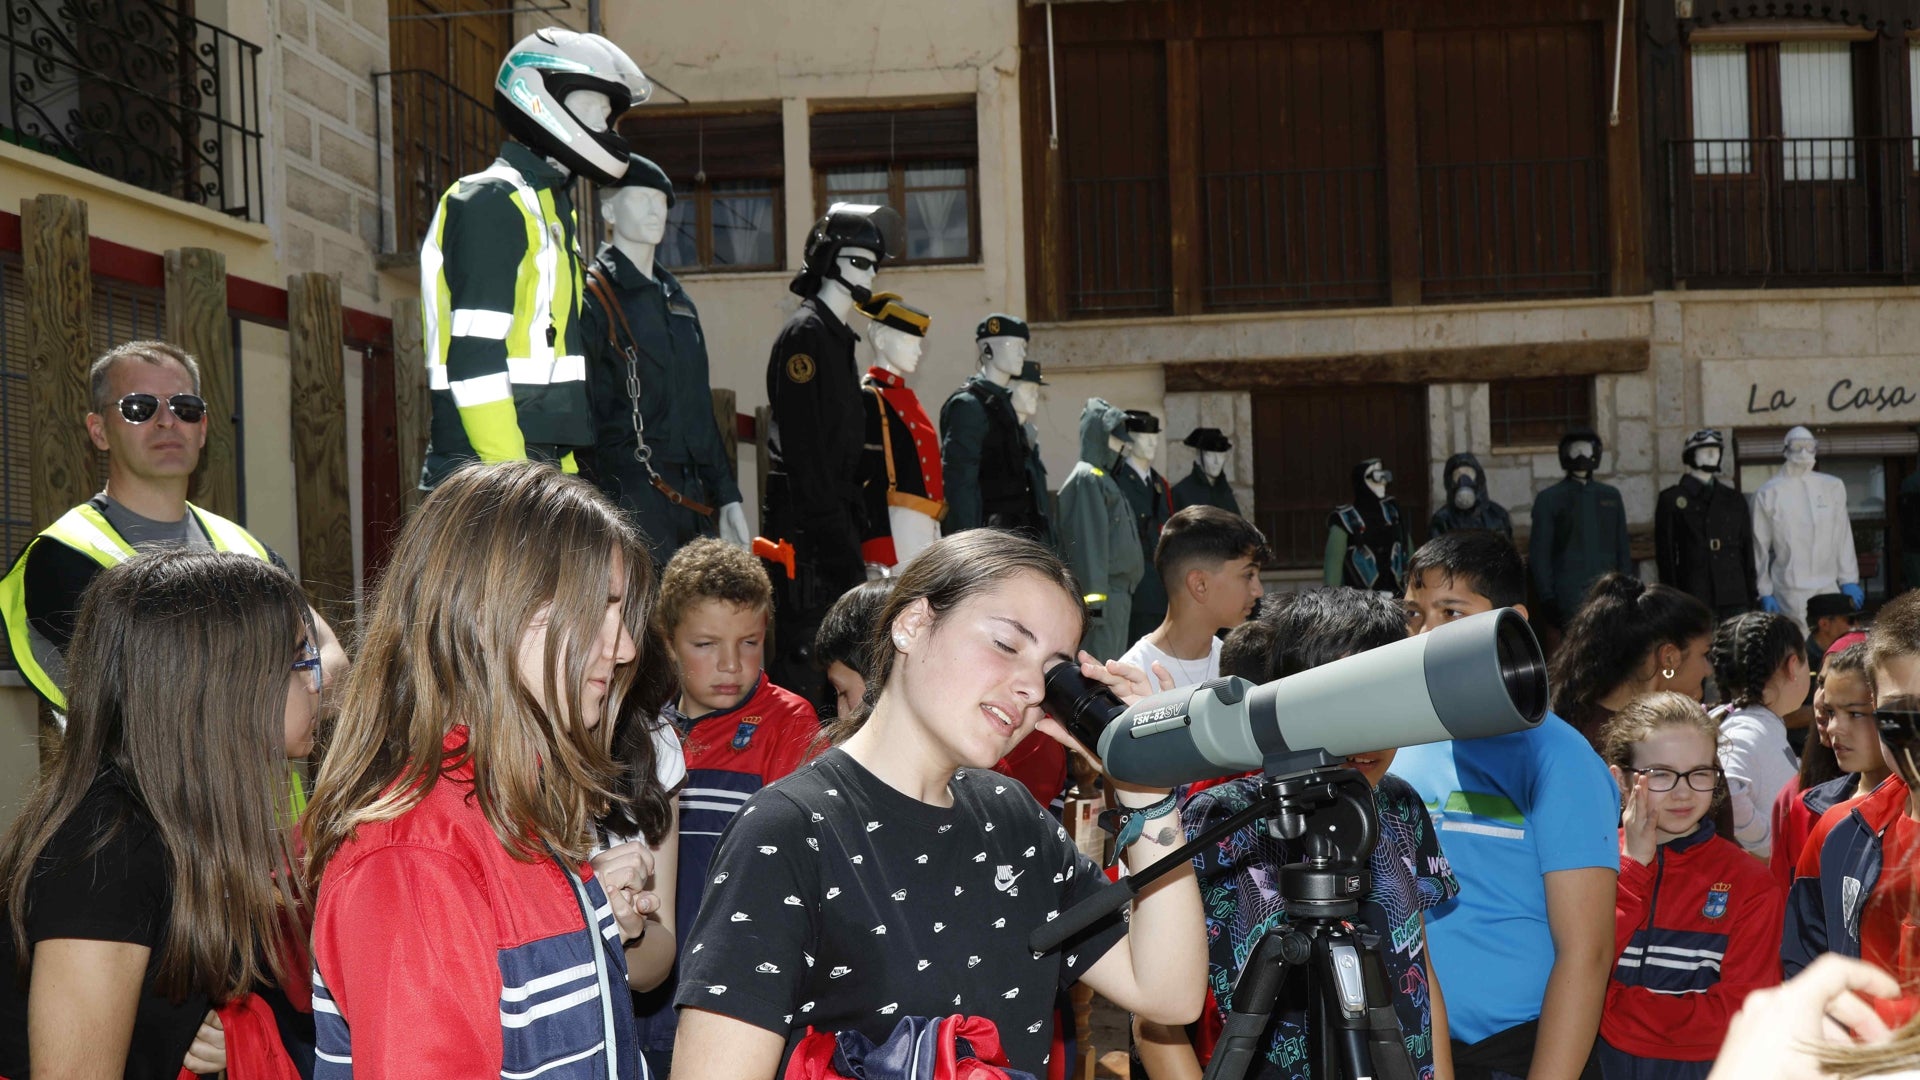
(85, 530)
(500, 281)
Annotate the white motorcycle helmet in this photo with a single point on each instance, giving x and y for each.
(530, 98)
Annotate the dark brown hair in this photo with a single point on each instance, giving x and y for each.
(1623, 621)
(1896, 629)
(950, 572)
(177, 692)
(489, 550)
(1748, 649)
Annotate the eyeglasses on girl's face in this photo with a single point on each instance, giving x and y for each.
(1705, 778)
(310, 661)
(140, 408)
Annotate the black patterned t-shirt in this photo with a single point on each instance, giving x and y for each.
(836, 902)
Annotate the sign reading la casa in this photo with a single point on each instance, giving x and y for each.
(1853, 390)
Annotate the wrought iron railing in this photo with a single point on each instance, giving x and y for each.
(1494, 229)
(1118, 260)
(1294, 238)
(135, 90)
(439, 134)
(1776, 211)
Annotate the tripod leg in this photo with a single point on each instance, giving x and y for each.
(1254, 996)
(1359, 1006)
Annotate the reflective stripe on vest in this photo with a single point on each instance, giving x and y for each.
(87, 531)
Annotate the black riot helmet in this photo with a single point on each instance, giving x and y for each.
(1700, 440)
(1584, 464)
(879, 229)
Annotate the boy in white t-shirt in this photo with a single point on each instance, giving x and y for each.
(1209, 560)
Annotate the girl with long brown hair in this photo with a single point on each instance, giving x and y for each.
(460, 929)
(147, 878)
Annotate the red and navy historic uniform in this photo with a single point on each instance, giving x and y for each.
(901, 463)
(731, 754)
(1694, 932)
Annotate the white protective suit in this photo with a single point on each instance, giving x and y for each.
(1802, 539)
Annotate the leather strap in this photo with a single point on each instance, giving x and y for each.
(933, 508)
(603, 291)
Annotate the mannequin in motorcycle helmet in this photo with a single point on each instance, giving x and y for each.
(874, 233)
(560, 93)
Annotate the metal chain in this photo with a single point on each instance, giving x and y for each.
(641, 451)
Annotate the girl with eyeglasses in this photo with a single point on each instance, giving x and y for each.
(147, 880)
(1697, 920)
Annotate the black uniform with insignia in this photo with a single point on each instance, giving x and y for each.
(983, 452)
(1703, 537)
(1151, 501)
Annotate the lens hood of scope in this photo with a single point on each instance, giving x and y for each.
(1472, 701)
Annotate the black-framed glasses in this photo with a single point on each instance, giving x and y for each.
(859, 262)
(1897, 725)
(140, 408)
(1705, 778)
(310, 661)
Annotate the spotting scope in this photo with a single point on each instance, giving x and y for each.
(1483, 675)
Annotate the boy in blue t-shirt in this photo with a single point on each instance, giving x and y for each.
(1239, 874)
(1530, 823)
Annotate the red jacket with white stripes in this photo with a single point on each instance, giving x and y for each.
(1694, 932)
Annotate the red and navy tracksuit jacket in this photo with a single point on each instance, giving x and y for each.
(1695, 932)
(1838, 869)
(1795, 813)
(731, 754)
(438, 953)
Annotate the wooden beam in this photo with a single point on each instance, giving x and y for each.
(723, 405)
(1626, 231)
(319, 415)
(1494, 362)
(197, 321)
(1403, 167)
(412, 407)
(59, 284)
(762, 457)
(1183, 181)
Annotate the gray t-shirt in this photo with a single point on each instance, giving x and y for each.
(146, 534)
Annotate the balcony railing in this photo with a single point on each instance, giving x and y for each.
(1118, 261)
(1776, 211)
(1294, 238)
(1497, 229)
(440, 133)
(137, 91)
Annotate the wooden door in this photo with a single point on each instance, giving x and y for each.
(1306, 442)
(445, 56)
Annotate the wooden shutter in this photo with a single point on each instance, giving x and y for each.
(871, 136)
(730, 146)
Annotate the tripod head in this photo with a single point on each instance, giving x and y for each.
(1314, 800)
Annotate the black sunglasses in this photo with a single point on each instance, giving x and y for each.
(1898, 725)
(858, 262)
(140, 408)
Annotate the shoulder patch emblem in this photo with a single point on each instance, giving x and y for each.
(1680, 502)
(1716, 905)
(800, 368)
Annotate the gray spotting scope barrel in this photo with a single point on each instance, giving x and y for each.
(1483, 675)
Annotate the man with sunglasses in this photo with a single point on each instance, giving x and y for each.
(1857, 891)
(149, 419)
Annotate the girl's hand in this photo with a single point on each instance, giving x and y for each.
(1637, 816)
(208, 1054)
(624, 872)
(1129, 684)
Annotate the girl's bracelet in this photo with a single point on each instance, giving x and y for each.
(1128, 823)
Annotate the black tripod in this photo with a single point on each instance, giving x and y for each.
(1354, 1034)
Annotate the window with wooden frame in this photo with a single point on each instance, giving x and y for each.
(922, 161)
(728, 170)
(1785, 82)
(1536, 412)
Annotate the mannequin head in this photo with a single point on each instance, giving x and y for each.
(1463, 489)
(1801, 450)
(1001, 341)
(558, 93)
(1703, 451)
(897, 330)
(1211, 446)
(845, 249)
(1026, 399)
(1144, 446)
(1213, 463)
(1580, 452)
(1376, 476)
(636, 215)
(1116, 444)
(895, 350)
(590, 107)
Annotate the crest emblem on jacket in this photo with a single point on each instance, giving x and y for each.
(1716, 905)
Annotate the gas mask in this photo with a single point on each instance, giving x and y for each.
(1802, 450)
(1465, 495)
(1377, 478)
(1581, 457)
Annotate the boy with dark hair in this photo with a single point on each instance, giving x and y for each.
(1858, 888)
(1209, 561)
(1408, 872)
(846, 632)
(1530, 822)
(1247, 651)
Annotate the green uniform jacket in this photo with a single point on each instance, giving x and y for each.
(1579, 533)
(500, 285)
(1097, 535)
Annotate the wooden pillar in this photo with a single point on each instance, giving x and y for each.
(762, 459)
(412, 408)
(59, 284)
(197, 321)
(1625, 226)
(723, 406)
(1403, 167)
(319, 415)
(1183, 179)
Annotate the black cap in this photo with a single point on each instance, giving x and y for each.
(888, 309)
(1827, 605)
(1030, 372)
(642, 172)
(1208, 440)
(1142, 421)
(1001, 325)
